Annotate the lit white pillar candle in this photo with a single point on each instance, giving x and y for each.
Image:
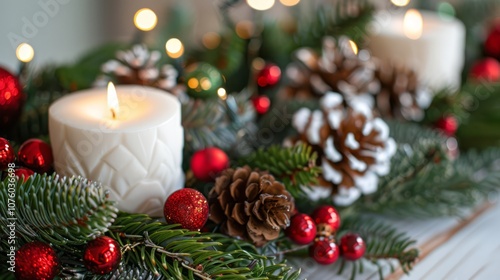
(132, 143)
(432, 45)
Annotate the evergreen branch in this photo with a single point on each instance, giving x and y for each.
(65, 212)
(383, 242)
(175, 253)
(294, 166)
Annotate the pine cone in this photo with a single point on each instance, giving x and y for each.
(337, 69)
(401, 95)
(353, 147)
(250, 205)
(138, 66)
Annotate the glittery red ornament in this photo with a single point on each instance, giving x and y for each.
(352, 246)
(302, 229)
(11, 98)
(102, 255)
(187, 207)
(7, 154)
(324, 251)
(448, 125)
(492, 44)
(23, 172)
(206, 164)
(487, 69)
(328, 216)
(36, 155)
(269, 76)
(36, 261)
(261, 104)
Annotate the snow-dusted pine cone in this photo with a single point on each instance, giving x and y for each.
(250, 205)
(338, 69)
(139, 66)
(401, 95)
(353, 146)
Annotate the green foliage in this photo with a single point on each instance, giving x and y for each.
(383, 243)
(294, 166)
(65, 212)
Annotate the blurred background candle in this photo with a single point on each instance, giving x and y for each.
(130, 140)
(432, 45)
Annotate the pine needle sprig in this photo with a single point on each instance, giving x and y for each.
(176, 253)
(294, 166)
(65, 212)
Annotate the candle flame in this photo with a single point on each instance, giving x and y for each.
(413, 24)
(354, 47)
(113, 104)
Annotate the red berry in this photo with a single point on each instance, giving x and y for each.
(448, 125)
(324, 251)
(261, 104)
(327, 215)
(352, 246)
(487, 69)
(269, 76)
(206, 164)
(302, 229)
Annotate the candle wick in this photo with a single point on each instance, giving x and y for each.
(113, 113)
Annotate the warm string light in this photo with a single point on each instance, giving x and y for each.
(221, 92)
(174, 48)
(25, 52)
(245, 29)
(145, 19)
(211, 40)
(289, 3)
(400, 3)
(413, 24)
(113, 104)
(260, 5)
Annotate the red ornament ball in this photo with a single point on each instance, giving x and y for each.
(487, 69)
(36, 155)
(187, 207)
(302, 229)
(11, 98)
(352, 246)
(324, 251)
(327, 215)
(102, 255)
(269, 76)
(7, 154)
(261, 104)
(448, 125)
(36, 261)
(23, 173)
(492, 43)
(206, 164)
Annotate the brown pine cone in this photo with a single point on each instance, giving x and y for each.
(353, 147)
(250, 205)
(401, 95)
(337, 69)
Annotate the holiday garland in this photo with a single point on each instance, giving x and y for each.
(69, 223)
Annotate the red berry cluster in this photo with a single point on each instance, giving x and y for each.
(321, 230)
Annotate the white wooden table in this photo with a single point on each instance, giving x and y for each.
(450, 249)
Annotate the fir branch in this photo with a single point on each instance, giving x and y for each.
(65, 212)
(175, 253)
(294, 166)
(383, 243)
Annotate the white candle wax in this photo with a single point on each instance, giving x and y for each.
(437, 55)
(138, 155)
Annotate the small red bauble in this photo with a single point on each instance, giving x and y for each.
(11, 98)
(324, 251)
(102, 255)
(7, 154)
(36, 155)
(269, 76)
(36, 261)
(448, 125)
(23, 172)
(187, 207)
(327, 215)
(492, 44)
(206, 164)
(302, 229)
(261, 104)
(487, 69)
(352, 246)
